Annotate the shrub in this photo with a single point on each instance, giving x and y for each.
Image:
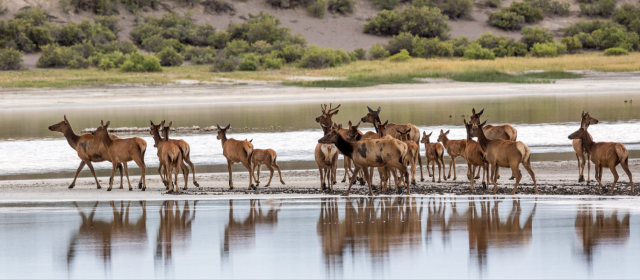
(506, 20)
(455, 8)
(377, 51)
(602, 8)
(125, 47)
(386, 4)
(264, 27)
(459, 45)
(501, 46)
(611, 37)
(110, 60)
(357, 54)
(316, 8)
(292, 53)
(261, 47)
(53, 56)
(423, 21)
(549, 49)
(341, 6)
(237, 47)
(552, 7)
(588, 27)
(626, 14)
(572, 42)
(169, 57)
(318, 58)
(110, 22)
(137, 62)
(218, 7)
(402, 41)
(10, 59)
(248, 63)
(534, 35)
(634, 26)
(401, 56)
(156, 44)
(199, 55)
(493, 3)
(525, 9)
(225, 63)
(272, 63)
(615, 52)
(475, 51)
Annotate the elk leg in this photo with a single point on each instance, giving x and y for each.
(347, 169)
(126, 172)
(329, 177)
(187, 159)
(93, 172)
(271, 175)
(516, 171)
(73, 184)
(405, 173)
(282, 181)
(322, 185)
(451, 166)
(413, 172)
(477, 175)
(599, 178)
(433, 170)
(168, 172)
(113, 173)
(494, 173)
(162, 175)
(229, 163)
(453, 163)
(625, 167)
(588, 168)
(615, 177)
(248, 166)
(580, 167)
(185, 173)
(258, 167)
(527, 166)
(471, 169)
(428, 170)
(368, 178)
(352, 180)
(420, 163)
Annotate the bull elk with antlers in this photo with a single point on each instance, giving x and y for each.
(392, 130)
(581, 151)
(122, 151)
(434, 152)
(89, 148)
(605, 154)
(236, 151)
(504, 153)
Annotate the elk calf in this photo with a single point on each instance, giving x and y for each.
(605, 154)
(236, 151)
(268, 158)
(122, 151)
(455, 148)
(434, 152)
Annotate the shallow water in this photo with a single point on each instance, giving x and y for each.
(400, 237)
(543, 123)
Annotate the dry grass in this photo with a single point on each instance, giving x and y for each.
(361, 69)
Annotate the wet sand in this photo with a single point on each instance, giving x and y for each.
(554, 178)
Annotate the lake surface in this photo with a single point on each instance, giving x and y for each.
(543, 122)
(400, 237)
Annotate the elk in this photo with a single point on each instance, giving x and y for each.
(580, 151)
(174, 157)
(392, 130)
(353, 135)
(505, 131)
(236, 151)
(326, 156)
(89, 148)
(455, 148)
(504, 153)
(122, 151)
(370, 153)
(186, 154)
(475, 157)
(605, 154)
(268, 158)
(413, 153)
(434, 152)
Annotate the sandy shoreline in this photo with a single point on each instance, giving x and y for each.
(554, 178)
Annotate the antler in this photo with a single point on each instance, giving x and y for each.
(324, 109)
(332, 109)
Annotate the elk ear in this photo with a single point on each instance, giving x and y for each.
(65, 119)
(101, 123)
(170, 123)
(251, 141)
(151, 123)
(484, 123)
(430, 133)
(465, 121)
(424, 133)
(350, 125)
(399, 131)
(370, 111)
(107, 125)
(228, 126)
(446, 133)
(379, 109)
(385, 123)
(358, 124)
(336, 112)
(482, 111)
(582, 114)
(408, 130)
(473, 111)
(218, 127)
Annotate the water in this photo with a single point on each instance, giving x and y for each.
(543, 122)
(417, 237)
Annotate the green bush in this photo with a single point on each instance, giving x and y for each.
(601, 8)
(317, 58)
(169, 57)
(137, 62)
(272, 63)
(156, 44)
(525, 9)
(401, 56)
(501, 46)
(423, 21)
(248, 63)
(402, 41)
(199, 55)
(53, 56)
(291, 53)
(110, 22)
(459, 45)
(125, 47)
(626, 14)
(634, 26)
(549, 49)
(615, 52)
(386, 4)
(493, 3)
(377, 51)
(217, 6)
(455, 8)
(552, 7)
(99, 7)
(341, 6)
(588, 27)
(10, 59)
(534, 35)
(506, 20)
(261, 47)
(237, 47)
(609, 38)
(225, 63)
(357, 54)
(572, 42)
(108, 61)
(316, 8)
(475, 51)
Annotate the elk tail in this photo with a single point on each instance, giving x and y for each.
(142, 145)
(273, 161)
(622, 153)
(524, 151)
(513, 133)
(249, 151)
(185, 149)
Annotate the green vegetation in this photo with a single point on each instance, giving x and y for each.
(598, 8)
(341, 6)
(10, 59)
(615, 52)
(551, 7)
(531, 36)
(401, 56)
(512, 17)
(421, 21)
(475, 51)
(549, 49)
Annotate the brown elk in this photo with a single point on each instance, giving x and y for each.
(413, 153)
(434, 152)
(236, 151)
(186, 154)
(265, 157)
(122, 151)
(605, 154)
(175, 157)
(370, 153)
(455, 148)
(504, 153)
(475, 157)
(580, 151)
(326, 156)
(392, 130)
(505, 131)
(89, 148)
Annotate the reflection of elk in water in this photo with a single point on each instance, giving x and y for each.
(374, 224)
(174, 229)
(103, 235)
(600, 230)
(237, 233)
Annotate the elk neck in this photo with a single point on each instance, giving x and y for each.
(344, 146)
(587, 142)
(72, 138)
(106, 140)
(224, 139)
(156, 136)
(482, 139)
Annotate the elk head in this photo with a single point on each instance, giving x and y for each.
(425, 137)
(102, 130)
(381, 128)
(326, 116)
(405, 135)
(587, 120)
(330, 138)
(475, 117)
(371, 116)
(579, 134)
(476, 129)
(222, 132)
(352, 132)
(443, 135)
(61, 126)
(155, 130)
